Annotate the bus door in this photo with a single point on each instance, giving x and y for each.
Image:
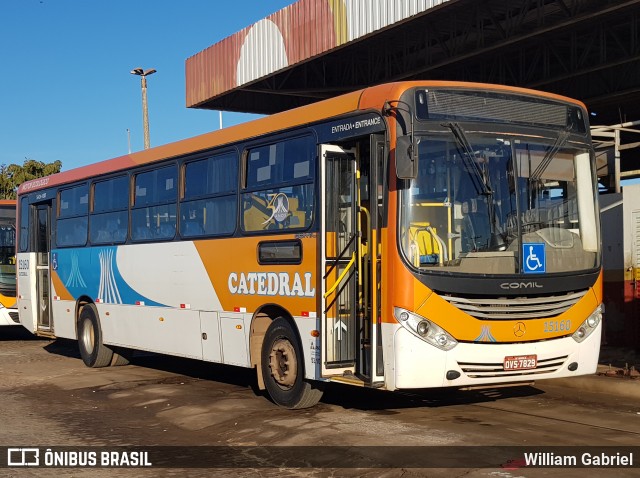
(339, 243)
(373, 356)
(42, 233)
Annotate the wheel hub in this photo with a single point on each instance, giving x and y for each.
(283, 363)
(88, 335)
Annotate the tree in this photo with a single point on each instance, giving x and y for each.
(14, 175)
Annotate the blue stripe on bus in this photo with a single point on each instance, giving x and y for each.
(93, 271)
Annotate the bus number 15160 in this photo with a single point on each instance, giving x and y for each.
(552, 326)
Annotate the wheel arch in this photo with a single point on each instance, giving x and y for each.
(80, 303)
(260, 322)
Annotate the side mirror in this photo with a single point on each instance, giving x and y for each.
(406, 157)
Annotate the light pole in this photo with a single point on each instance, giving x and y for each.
(145, 113)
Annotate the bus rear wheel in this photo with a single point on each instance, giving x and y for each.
(283, 368)
(93, 352)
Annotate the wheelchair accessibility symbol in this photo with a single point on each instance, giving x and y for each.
(534, 260)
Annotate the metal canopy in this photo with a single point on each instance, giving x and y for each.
(586, 49)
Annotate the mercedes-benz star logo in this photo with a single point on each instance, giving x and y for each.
(519, 329)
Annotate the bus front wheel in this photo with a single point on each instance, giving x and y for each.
(283, 368)
(93, 352)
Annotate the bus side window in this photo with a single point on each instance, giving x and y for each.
(279, 189)
(109, 218)
(24, 224)
(153, 215)
(72, 221)
(210, 203)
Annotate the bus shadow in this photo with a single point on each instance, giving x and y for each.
(344, 396)
(197, 369)
(64, 347)
(192, 368)
(383, 401)
(17, 332)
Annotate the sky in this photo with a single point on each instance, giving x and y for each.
(66, 92)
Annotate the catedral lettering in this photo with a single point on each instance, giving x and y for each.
(271, 283)
(381, 238)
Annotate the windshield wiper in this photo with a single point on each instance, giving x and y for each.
(551, 152)
(496, 241)
(469, 157)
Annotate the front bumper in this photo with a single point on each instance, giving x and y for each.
(9, 316)
(420, 365)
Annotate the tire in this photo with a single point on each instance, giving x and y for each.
(93, 352)
(283, 368)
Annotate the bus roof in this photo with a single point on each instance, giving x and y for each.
(369, 98)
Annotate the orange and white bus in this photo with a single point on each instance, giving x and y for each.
(8, 310)
(407, 235)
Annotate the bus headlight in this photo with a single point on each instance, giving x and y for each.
(424, 329)
(589, 325)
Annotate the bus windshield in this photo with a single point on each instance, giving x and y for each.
(500, 204)
(7, 258)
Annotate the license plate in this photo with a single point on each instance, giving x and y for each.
(520, 362)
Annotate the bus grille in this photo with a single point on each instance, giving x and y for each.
(496, 370)
(14, 316)
(516, 308)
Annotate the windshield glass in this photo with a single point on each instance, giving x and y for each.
(492, 204)
(7, 259)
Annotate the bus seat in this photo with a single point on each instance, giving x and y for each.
(297, 217)
(254, 219)
(255, 212)
(423, 238)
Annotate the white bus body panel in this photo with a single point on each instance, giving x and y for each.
(417, 364)
(210, 327)
(27, 299)
(173, 274)
(64, 319)
(310, 345)
(5, 318)
(156, 329)
(235, 339)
